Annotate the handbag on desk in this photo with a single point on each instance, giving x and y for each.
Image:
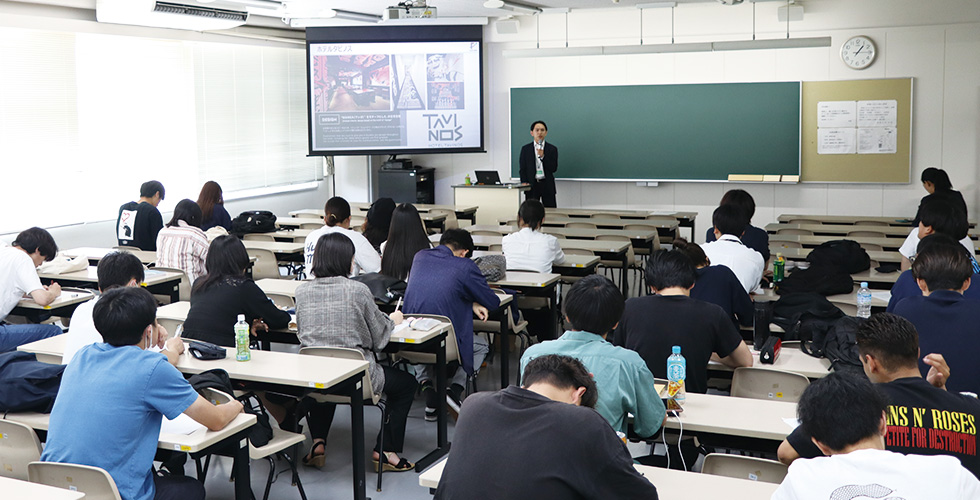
(384, 288)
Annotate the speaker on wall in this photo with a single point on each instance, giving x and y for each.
(507, 26)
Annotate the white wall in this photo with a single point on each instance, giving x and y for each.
(934, 42)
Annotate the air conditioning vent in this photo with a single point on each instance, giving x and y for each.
(175, 14)
(193, 10)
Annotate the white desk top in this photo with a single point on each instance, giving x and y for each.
(15, 488)
(571, 261)
(621, 212)
(426, 216)
(91, 275)
(526, 279)
(594, 245)
(67, 298)
(174, 310)
(877, 297)
(791, 359)
(425, 207)
(558, 220)
(670, 484)
(573, 232)
(96, 253)
(753, 418)
(280, 286)
(275, 246)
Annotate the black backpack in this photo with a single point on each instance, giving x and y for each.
(838, 343)
(27, 384)
(801, 315)
(847, 255)
(254, 221)
(259, 434)
(818, 278)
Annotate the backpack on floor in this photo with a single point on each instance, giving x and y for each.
(27, 384)
(254, 221)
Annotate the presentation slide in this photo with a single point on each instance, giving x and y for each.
(395, 96)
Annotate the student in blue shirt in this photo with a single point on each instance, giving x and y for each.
(905, 286)
(592, 309)
(443, 281)
(114, 395)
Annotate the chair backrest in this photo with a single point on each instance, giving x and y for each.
(763, 383)
(580, 225)
(604, 215)
(266, 265)
(19, 446)
(496, 247)
(282, 300)
(451, 221)
(185, 283)
(786, 244)
(513, 223)
(868, 234)
(661, 219)
(170, 324)
(872, 247)
(258, 237)
(452, 348)
(307, 215)
(870, 223)
(789, 230)
(310, 225)
(737, 466)
(630, 255)
(96, 483)
(345, 353)
(127, 247)
(215, 396)
(486, 232)
(804, 221)
(578, 251)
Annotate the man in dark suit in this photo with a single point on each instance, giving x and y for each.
(539, 161)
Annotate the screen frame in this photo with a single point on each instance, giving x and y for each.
(392, 34)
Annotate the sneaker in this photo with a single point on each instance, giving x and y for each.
(430, 414)
(453, 400)
(429, 392)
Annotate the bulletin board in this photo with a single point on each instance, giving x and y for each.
(857, 131)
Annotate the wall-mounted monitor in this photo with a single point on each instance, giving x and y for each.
(395, 90)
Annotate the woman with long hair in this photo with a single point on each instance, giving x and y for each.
(225, 292)
(405, 238)
(378, 222)
(936, 182)
(212, 205)
(335, 311)
(181, 244)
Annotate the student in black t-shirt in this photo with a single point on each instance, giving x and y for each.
(541, 440)
(140, 221)
(718, 285)
(653, 324)
(922, 417)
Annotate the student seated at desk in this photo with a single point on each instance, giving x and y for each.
(529, 249)
(225, 292)
(18, 277)
(717, 285)
(114, 395)
(378, 222)
(652, 325)
(729, 250)
(937, 216)
(337, 219)
(848, 420)
(212, 205)
(889, 347)
(181, 244)
(139, 221)
(592, 309)
(948, 323)
(445, 282)
(540, 441)
(936, 182)
(116, 269)
(406, 237)
(905, 286)
(753, 237)
(335, 311)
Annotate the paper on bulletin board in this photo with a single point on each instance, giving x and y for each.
(877, 140)
(836, 141)
(836, 114)
(877, 113)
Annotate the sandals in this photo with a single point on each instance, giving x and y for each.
(402, 465)
(313, 459)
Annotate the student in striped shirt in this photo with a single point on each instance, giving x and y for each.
(181, 244)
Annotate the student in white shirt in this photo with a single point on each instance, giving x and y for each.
(181, 244)
(18, 276)
(116, 269)
(846, 417)
(936, 216)
(529, 249)
(336, 216)
(729, 251)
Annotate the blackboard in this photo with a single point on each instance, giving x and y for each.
(663, 132)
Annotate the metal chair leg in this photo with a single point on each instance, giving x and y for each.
(272, 475)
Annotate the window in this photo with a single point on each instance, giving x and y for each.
(86, 118)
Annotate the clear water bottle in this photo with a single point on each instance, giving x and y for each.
(864, 301)
(241, 340)
(676, 373)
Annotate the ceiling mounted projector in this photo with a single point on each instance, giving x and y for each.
(730, 2)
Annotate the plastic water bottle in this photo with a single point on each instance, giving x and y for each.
(864, 301)
(778, 268)
(676, 373)
(467, 181)
(241, 340)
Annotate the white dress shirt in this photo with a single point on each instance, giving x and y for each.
(366, 258)
(747, 264)
(911, 244)
(532, 251)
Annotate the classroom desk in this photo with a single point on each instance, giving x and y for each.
(95, 254)
(882, 280)
(842, 230)
(758, 419)
(15, 488)
(883, 257)
(791, 359)
(342, 376)
(890, 244)
(467, 212)
(603, 222)
(288, 251)
(684, 219)
(849, 219)
(429, 219)
(671, 484)
(878, 303)
(573, 265)
(294, 222)
(157, 282)
(639, 238)
(63, 306)
(531, 285)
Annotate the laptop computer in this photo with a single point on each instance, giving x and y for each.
(487, 177)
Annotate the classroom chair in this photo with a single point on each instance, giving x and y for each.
(310, 225)
(739, 467)
(764, 383)
(486, 232)
(785, 244)
(426, 358)
(514, 223)
(124, 248)
(870, 223)
(791, 230)
(580, 225)
(370, 398)
(307, 215)
(170, 324)
(19, 447)
(872, 247)
(518, 328)
(451, 221)
(282, 300)
(644, 252)
(266, 265)
(280, 444)
(804, 221)
(496, 247)
(259, 237)
(185, 282)
(632, 264)
(94, 482)
(865, 233)
(601, 215)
